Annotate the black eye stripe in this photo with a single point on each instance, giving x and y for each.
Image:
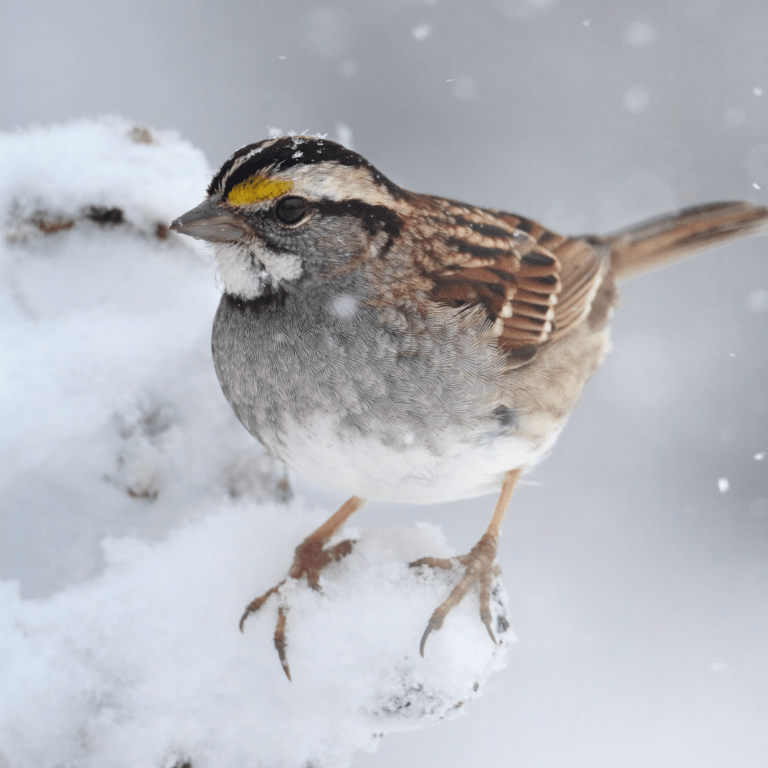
(375, 218)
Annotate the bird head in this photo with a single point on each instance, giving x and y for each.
(284, 210)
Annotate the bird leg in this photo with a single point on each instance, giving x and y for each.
(309, 560)
(479, 566)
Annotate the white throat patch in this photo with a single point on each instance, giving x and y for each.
(248, 274)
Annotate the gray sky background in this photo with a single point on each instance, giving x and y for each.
(639, 590)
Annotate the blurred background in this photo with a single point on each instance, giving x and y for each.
(637, 556)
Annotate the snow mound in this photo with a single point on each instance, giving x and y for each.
(139, 518)
(145, 666)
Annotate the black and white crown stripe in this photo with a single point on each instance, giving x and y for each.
(300, 159)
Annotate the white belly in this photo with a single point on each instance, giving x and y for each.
(368, 468)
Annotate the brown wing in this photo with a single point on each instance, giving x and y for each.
(535, 285)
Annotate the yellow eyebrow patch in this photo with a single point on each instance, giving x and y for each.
(257, 188)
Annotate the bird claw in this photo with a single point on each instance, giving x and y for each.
(281, 643)
(309, 560)
(479, 567)
(255, 604)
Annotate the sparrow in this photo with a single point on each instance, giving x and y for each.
(405, 347)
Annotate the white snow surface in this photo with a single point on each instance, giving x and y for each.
(139, 518)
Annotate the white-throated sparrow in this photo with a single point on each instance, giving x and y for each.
(405, 347)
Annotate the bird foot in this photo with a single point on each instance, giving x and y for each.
(309, 560)
(479, 567)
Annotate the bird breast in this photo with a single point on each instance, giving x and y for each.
(353, 401)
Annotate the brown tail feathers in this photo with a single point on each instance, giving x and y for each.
(654, 243)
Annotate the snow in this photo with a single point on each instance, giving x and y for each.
(464, 88)
(344, 305)
(758, 301)
(344, 135)
(140, 518)
(640, 34)
(145, 666)
(636, 99)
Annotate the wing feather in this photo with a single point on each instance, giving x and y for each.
(534, 284)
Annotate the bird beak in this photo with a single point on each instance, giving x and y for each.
(210, 222)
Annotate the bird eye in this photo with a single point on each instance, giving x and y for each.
(289, 210)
